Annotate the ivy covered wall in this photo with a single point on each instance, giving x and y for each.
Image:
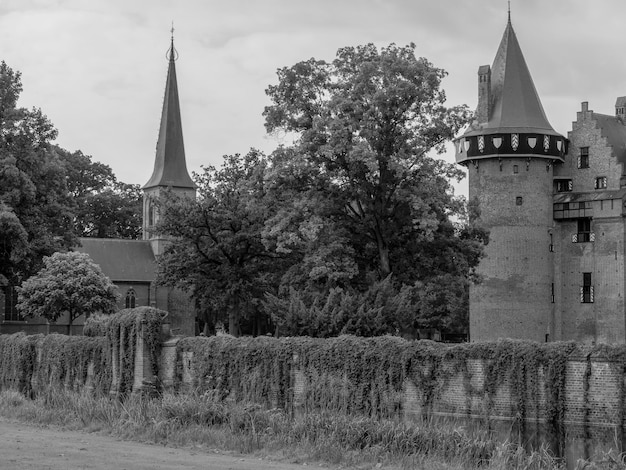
(553, 383)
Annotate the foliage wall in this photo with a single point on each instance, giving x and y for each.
(370, 376)
(35, 363)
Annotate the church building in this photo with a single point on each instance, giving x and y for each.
(131, 264)
(554, 265)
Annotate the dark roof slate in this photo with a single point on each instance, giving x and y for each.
(121, 260)
(170, 168)
(515, 104)
(589, 196)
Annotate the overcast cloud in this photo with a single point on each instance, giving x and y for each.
(97, 68)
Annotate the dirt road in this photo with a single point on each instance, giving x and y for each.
(25, 447)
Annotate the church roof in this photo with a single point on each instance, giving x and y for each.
(170, 168)
(515, 106)
(121, 260)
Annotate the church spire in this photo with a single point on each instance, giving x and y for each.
(170, 168)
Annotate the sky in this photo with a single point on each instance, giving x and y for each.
(97, 68)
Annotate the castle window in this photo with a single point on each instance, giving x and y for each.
(130, 298)
(515, 169)
(583, 157)
(519, 201)
(562, 186)
(600, 182)
(584, 233)
(586, 290)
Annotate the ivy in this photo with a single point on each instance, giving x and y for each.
(368, 376)
(122, 330)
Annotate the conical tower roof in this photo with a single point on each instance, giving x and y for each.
(515, 105)
(170, 168)
(510, 119)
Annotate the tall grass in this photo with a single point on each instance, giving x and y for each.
(199, 420)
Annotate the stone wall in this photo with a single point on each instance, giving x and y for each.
(593, 395)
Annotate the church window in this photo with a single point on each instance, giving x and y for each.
(8, 297)
(150, 213)
(130, 298)
(586, 290)
(600, 182)
(583, 157)
(562, 186)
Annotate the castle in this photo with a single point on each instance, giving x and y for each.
(554, 265)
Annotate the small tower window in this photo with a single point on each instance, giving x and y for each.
(586, 290)
(600, 182)
(562, 186)
(583, 157)
(130, 298)
(519, 201)
(515, 169)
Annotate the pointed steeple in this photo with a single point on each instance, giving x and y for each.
(170, 168)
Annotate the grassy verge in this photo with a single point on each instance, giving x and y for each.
(329, 438)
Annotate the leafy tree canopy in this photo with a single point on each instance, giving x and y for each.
(370, 199)
(69, 282)
(217, 252)
(50, 195)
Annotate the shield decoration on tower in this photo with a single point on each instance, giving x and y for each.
(481, 143)
(559, 144)
(532, 141)
(466, 144)
(514, 141)
(546, 142)
(497, 142)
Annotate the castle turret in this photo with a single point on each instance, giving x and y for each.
(510, 150)
(170, 169)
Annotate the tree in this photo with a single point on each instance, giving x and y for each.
(53, 194)
(103, 207)
(371, 192)
(217, 252)
(32, 182)
(69, 282)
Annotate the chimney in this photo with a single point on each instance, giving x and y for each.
(620, 108)
(484, 94)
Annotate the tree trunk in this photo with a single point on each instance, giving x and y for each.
(233, 317)
(384, 265)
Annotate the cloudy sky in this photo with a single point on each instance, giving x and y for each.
(97, 68)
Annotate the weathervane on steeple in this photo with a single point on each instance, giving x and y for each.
(509, 14)
(172, 53)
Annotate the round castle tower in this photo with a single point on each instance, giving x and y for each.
(509, 151)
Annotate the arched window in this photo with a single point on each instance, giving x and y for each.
(130, 298)
(150, 213)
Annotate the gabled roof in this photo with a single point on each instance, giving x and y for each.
(170, 168)
(515, 106)
(121, 260)
(615, 132)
